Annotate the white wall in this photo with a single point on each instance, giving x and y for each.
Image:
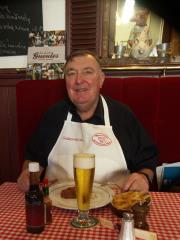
(53, 19)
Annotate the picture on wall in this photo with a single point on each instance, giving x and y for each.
(46, 55)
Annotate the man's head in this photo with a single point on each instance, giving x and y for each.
(84, 79)
(141, 16)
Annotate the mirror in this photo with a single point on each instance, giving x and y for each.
(144, 40)
(140, 37)
(138, 31)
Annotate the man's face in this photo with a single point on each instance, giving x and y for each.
(141, 17)
(84, 79)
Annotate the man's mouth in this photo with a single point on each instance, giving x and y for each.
(79, 90)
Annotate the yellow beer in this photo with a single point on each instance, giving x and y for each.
(84, 168)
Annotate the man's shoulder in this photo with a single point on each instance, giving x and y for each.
(61, 104)
(116, 105)
(119, 111)
(59, 109)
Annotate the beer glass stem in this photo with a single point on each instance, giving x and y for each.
(83, 216)
(83, 220)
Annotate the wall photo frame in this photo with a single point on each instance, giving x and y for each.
(138, 31)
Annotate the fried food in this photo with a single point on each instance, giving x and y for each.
(68, 193)
(126, 200)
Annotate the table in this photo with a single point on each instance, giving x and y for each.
(163, 218)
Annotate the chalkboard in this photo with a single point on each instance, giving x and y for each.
(17, 19)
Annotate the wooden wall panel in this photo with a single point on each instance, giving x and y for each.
(9, 160)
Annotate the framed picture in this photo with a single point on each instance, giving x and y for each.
(138, 30)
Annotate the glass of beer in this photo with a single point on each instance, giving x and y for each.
(84, 168)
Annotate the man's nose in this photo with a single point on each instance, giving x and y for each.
(79, 77)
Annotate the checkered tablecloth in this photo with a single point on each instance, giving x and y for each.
(163, 218)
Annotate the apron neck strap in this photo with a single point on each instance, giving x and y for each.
(106, 113)
(69, 117)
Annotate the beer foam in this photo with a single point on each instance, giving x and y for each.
(84, 161)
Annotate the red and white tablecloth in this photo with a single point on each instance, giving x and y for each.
(163, 218)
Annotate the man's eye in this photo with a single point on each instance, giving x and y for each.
(70, 73)
(88, 72)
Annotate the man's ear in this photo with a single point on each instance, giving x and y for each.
(102, 78)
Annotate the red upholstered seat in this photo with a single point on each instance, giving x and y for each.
(33, 99)
(141, 95)
(155, 101)
(168, 130)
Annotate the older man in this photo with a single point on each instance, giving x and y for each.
(88, 122)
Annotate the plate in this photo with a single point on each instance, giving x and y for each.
(101, 196)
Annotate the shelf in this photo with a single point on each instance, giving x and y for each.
(134, 67)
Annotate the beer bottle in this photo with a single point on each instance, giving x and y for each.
(34, 201)
(47, 202)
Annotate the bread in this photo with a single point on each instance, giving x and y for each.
(69, 192)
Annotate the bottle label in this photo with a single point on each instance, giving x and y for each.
(35, 215)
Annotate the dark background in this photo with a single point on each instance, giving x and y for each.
(169, 10)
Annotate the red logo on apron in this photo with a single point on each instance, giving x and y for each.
(101, 139)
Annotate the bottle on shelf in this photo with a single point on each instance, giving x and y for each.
(127, 227)
(47, 202)
(34, 201)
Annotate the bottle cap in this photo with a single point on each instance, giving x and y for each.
(34, 167)
(128, 216)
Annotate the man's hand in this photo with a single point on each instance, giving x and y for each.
(23, 180)
(136, 182)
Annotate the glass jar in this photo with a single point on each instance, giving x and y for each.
(140, 212)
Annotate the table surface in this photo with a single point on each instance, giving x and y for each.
(163, 218)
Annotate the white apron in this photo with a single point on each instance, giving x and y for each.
(78, 137)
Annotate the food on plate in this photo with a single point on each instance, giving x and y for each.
(125, 201)
(69, 192)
